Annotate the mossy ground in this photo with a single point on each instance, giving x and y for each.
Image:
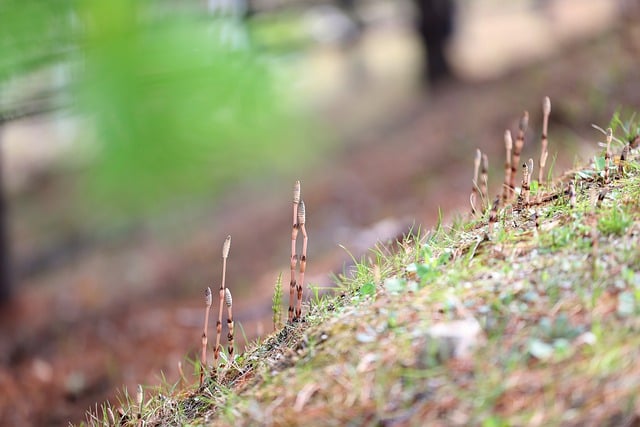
(544, 314)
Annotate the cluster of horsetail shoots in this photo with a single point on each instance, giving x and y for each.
(506, 188)
(517, 147)
(208, 300)
(225, 254)
(546, 110)
(228, 300)
(607, 155)
(294, 257)
(474, 189)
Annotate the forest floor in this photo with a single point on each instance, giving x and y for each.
(121, 311)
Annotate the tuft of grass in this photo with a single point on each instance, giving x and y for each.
(276, 303)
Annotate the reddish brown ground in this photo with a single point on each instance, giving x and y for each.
(128, 308)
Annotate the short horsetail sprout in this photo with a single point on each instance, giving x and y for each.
(276, 306)
(526, 182)
(572, 194)
(484, 181)
(546, 110)
(303, 258)
(517, 147)
(294, 257)
(228, 300)
(506, 189)
(607, 155)
(139, 400)
(623, 159)
(225, 254)
(208, 299)
(112, 418)
(474, 189)
(493, 214)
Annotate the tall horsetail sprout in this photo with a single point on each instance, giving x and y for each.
(474, 189)
(607, 155)
(484, 181)
(228, 300)
(208, 299)
(546, 110)
(294, 257)
(506, 188)
(517, 147)
(225, 254)
(303, 258)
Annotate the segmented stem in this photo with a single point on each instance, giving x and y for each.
(294, 257)
(546, 110)
(506, 188)
(303, 258)
(203, 357)
(517, 148)
(229, 302)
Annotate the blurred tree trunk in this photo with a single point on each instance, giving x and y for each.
(5, 264)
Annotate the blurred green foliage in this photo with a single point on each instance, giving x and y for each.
(178, 100)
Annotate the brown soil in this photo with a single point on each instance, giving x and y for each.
(121, 312)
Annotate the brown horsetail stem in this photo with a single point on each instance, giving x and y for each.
(607, 155)
(228, 300)
(474, 189)
(208, 300)
(474, 182)
(493, 215)
(506, 188)
(139, 400)
(225, 254)
(527, 170)
(517, 147)
(572, 194)
(546, 110)
(294, 257)
(303, 258)
(623, 159)
(484, 181)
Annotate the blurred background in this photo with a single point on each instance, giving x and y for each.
(137, 134)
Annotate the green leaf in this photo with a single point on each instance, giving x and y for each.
(368, 289)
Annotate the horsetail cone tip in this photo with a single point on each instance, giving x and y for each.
(609, 135)
(546, 106)
(301, 213)
(296, 192)
(226, 246)
(207, 297)
(524, 121)
(227, 297)
(139, 395)
(508, 141)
